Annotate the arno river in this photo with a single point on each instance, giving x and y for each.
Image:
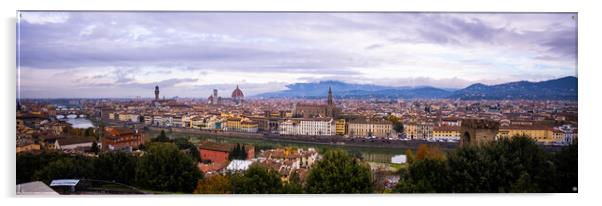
(80, 123)
(382, 155)
(77, 122)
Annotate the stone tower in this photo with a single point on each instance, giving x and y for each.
(478, 131)
(330, 106)
(157, 93)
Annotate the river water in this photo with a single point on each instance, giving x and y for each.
(380, 155)
(80, 123)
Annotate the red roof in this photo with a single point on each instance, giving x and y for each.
(118, 131)
(237, 93)
(527, 127)
(446, 128)
(212, 167)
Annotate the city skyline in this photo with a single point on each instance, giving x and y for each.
(123, 54)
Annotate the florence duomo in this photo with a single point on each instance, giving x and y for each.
(237, 98)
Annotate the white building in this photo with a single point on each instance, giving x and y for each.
(124, 117)
(398, 159)
(567, 133)
(157, 120)
(128, 117)
(148, 119)
(177, 121)
(111, 115)
(239, 165)
(74, 143)
(288, 127)
(314, 126)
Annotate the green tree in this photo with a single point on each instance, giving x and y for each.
(566, 165)
(393, 118)
(425, 176)
(234, 152)
(257, 180)
(398, 127)
(142, 147)
(243, 153)
(162, 137)
(294, 185)
(506, 165)
(184, 144)
(77, 167)
(238, 153)
(163, 167)
(116, 166)
(397, 124)
(523, 184)
(29, 163)
(89, 132)
(95, 149)
(337, 172)
(355, 154)
(217, 184)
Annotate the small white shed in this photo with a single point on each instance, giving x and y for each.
(398, 159)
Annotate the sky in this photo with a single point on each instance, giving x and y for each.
(188, 54)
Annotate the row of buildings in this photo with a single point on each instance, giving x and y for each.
(35, 133)
(446, 128)
(543, 121)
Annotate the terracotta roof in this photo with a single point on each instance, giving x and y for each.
(527, 127)
(445, 128)
(237, 93)
(362, 121)
(212, 167)
(24, 142)
(76, 140)
(118, 131)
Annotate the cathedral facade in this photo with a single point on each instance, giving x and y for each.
(316, 110)
(236, 98)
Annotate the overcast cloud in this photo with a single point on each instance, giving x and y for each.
(124, 54)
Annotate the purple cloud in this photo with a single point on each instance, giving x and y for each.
(211, 46)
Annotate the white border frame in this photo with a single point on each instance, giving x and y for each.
(588, 73)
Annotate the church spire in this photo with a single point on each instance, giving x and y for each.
(330, 102)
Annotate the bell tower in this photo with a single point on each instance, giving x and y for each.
(157, 93)
(330, 109)
(330, 102)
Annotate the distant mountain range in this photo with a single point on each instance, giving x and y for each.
(558, 89)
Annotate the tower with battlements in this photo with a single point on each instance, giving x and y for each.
(157, 93)
(478, 131)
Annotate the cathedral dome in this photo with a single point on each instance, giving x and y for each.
(237, 93)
